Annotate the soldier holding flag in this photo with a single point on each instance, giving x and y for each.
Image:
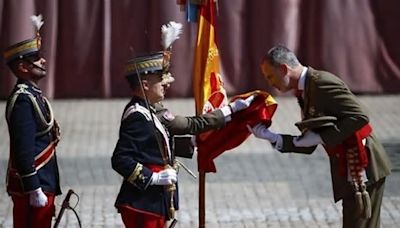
(143, 154)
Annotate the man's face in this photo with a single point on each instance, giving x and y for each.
(37, 67)
(155, 89)
(275, 76)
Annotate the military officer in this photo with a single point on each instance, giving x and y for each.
(143, 154)
(32, 175)
(333, 117)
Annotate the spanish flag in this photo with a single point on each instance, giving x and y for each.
(235, 131)
(210, 94)
(208, 87)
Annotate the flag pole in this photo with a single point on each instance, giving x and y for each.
(206, 65)
(202, 199)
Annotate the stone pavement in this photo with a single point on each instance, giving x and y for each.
(254, 186)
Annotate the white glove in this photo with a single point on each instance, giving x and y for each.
(165, 177)
(37, 198)
(308, 139)
(262, 132)
(240, 104)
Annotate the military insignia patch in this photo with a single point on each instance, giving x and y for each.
(168, 115)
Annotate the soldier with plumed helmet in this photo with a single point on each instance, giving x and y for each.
(32, 174)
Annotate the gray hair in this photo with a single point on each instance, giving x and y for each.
(281, 55)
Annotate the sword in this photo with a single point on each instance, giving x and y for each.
(65, 205)
(180, 164)
(173, 223)
(169, 188)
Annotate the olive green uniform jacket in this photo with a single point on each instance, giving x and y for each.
(180, 125)
(326, 95)
(187, 125)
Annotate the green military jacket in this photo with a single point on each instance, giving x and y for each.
(180, 125)
(187, 125)
(326, 95)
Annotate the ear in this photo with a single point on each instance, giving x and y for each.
(22, 67)
(145, 84)
(283, 68)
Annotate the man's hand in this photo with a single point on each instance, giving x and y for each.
(262, 132)
(308, 139)
(165, 177)
(240, 104)
(37, 198)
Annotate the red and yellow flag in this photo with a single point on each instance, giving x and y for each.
(210, 94)
(208, 87)
(235, 132)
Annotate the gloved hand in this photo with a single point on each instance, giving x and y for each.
(262, 132)
(308, 139)
(37, 198)
(165, 177)
(240, 104)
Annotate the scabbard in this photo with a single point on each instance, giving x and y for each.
(173, 223)
(65, 205)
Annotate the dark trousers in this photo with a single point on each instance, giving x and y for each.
(24, 215)
(350, 217)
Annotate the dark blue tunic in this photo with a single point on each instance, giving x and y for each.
(136, 151)
(24, 126)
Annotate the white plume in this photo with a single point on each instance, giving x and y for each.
(37, 21)
(169, 33)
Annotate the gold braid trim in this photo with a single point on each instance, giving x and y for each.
(20, 47)
(135, 174)
(131, 68)
(23, 89)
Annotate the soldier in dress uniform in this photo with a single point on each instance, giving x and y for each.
(32, 175)
(143, 154)
(333, 117)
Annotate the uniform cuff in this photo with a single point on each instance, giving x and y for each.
(30, 182)
(140, 177)
(279, 142)
(227, 112)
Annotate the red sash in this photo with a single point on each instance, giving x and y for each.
(351, 143)
(44, 156)
(14, 178)
(155, 168)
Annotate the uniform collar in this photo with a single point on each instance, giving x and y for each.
(302, 80)
(30, 85)
(142, 102)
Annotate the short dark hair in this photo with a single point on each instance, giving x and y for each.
(13, 65)
(134, 82)
(281, 55)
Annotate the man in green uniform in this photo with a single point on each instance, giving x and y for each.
(192, 125)
(333, 117)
